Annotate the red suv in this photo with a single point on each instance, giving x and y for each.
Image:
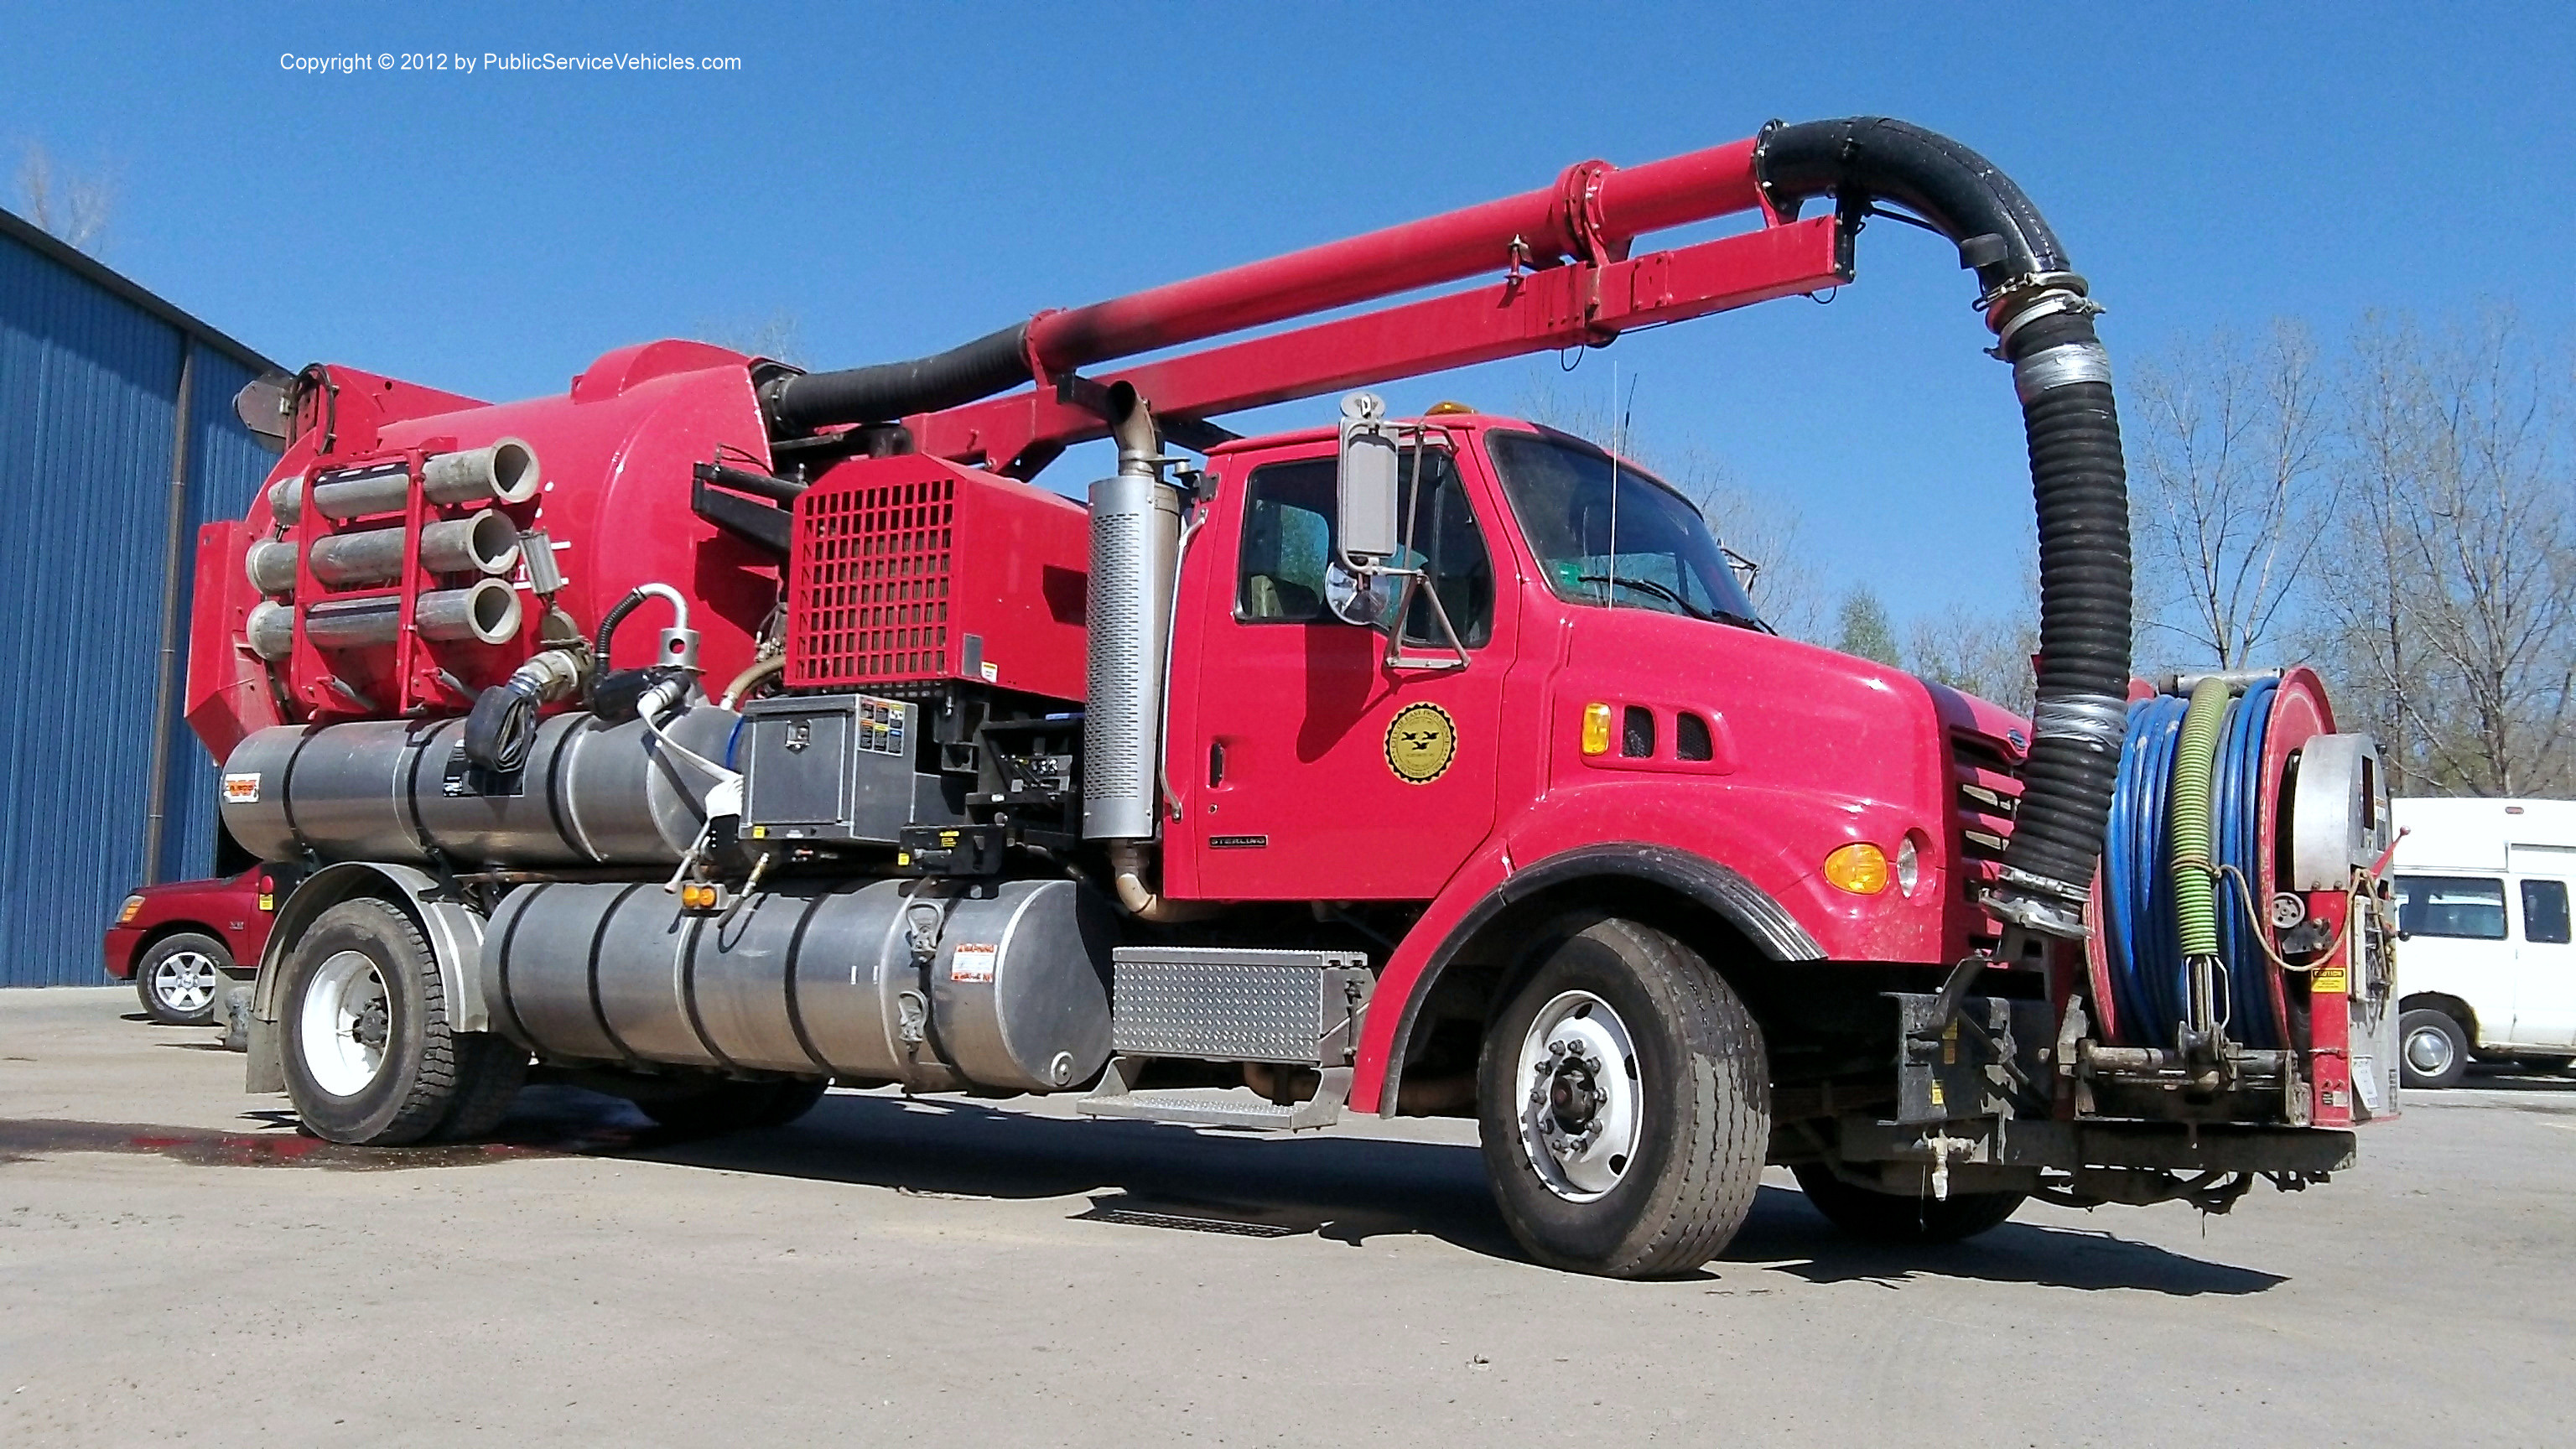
(184, 941)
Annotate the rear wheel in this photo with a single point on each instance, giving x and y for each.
(182, 978)
(1889, 1217)
(1624, 1104)
(369, 1053)
(2432, 1050)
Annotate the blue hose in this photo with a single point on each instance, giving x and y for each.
(2142, 941)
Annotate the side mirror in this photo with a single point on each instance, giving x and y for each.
(1366, 496)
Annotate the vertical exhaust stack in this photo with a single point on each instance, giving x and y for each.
(1135, 554)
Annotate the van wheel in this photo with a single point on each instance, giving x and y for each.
(2432, 1050)
(1888, 1217)
(181, 978)
(1624, 1104)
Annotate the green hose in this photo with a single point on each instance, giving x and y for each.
(2195, 755)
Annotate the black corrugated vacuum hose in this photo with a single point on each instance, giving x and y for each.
(2040, 313)
(886, 391)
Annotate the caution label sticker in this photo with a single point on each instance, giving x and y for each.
(2330, 978)
(242, 789)
(971, 961)
(1420, 742)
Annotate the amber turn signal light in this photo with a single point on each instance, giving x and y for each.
(1860, 868)
(1596, 728)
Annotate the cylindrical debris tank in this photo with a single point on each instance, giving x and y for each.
(592, 794)
(907, 981)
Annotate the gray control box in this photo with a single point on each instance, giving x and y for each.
(832, 768)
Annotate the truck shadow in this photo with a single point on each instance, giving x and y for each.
(1344, 1189)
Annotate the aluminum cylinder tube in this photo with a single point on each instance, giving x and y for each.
(485, 542)
(1135, 546)
(503, 472)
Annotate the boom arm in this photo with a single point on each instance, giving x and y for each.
(1567, 278)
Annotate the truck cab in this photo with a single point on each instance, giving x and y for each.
(2489, 962)
(1580, 664)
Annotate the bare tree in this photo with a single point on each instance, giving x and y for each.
(70, 206)
(2450, 595)
(778, 336)
(2230, 437)
(1987, 655)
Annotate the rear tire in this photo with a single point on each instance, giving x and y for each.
(1888, 1217)
(369, 1057)
(2432, 1050)
(493, 1069)
(1624, 1103)
(182, 978)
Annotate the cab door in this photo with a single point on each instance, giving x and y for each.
(1303, 764)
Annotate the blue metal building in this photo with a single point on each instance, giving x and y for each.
(117, 439)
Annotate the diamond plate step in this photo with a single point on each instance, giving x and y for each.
(1214, 1106)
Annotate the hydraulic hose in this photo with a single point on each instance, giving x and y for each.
(2044, 323)
(2195, 757)
(992, 363)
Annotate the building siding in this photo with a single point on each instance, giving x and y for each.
(89, 397)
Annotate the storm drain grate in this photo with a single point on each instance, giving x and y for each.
(1134, 1217)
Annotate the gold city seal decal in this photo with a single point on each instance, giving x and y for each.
(1420, 743)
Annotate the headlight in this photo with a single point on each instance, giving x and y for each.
(1909, 865)
(133, 907)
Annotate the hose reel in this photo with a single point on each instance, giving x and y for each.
(2235, 802)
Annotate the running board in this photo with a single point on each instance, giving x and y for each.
(1117, 1096)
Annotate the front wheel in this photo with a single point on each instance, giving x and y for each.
(1624, 1103)
(182, 977)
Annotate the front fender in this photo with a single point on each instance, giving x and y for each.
(453, 929)
(1751, 854)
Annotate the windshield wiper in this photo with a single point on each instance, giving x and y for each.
(1649, 586)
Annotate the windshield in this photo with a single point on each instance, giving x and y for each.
(1638, 545)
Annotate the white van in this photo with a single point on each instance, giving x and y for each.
(2487, 968)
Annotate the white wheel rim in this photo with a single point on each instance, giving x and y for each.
(1582, 1109)
(2428, 1051)
(344, 1025)
(184, 981)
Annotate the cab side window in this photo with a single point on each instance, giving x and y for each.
(2544, 912)
(1287, 549)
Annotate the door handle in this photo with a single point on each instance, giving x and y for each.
(1216, 763)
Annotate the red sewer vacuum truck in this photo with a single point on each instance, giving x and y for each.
(717, 731)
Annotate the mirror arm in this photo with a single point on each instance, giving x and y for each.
(1416, 583)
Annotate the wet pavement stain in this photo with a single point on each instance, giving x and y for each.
(543, 1125)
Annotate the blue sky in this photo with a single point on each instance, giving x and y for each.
(895, 179)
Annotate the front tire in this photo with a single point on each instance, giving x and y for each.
(1624, 1103)
(181, 979)
(2432, 1051)
(1888, 1217)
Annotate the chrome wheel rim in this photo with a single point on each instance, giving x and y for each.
(345, 1023)
(2428, 1051)
(184, 981)
(1582, 1112)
